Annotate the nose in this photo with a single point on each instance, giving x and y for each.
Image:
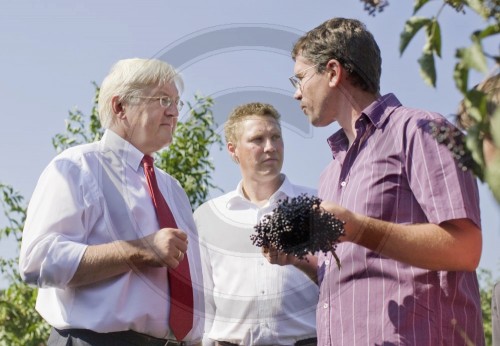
(270, 146)
(172, 111)
(297, 94)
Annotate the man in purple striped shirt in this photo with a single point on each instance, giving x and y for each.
(413, 238)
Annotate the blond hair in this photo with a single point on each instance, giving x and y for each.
(245, 111)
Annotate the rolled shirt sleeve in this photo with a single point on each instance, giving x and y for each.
(55, 230)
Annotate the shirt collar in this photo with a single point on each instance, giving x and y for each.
(123, 148)
(237, 199)
(377, 112)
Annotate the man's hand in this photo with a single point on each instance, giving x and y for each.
(165, 248)
(278, 257)
(308, 265)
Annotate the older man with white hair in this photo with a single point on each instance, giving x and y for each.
(107, 235)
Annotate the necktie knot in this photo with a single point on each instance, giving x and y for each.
(147, 160)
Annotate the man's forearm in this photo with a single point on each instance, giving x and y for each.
(101, 262)
(452, 245)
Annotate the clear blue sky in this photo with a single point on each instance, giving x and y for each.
(51, 52)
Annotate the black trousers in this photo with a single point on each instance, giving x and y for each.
(85, 337)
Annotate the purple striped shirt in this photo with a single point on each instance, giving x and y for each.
(396, 171)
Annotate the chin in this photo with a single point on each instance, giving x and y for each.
(320, 122)
(316, 122)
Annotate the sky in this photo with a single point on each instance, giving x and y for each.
(234, 51)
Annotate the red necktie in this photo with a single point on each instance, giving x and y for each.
(179, 279)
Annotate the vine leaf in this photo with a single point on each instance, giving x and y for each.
(479, 7)
(428, 67)
(412, 26)
(461, 74)
(434, 36)
(490, 30)
(473, 56)
(495, 127)
(418, 5)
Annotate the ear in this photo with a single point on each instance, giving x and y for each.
(118, 107)
(231, 148)
(335, 71)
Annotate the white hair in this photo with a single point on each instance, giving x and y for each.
(131, 77)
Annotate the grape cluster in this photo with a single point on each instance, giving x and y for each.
(373, 6)
(454, 140)
(298, 226)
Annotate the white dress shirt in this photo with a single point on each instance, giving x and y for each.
(93, 194)
(248, 300)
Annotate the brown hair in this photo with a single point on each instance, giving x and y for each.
(350, 43)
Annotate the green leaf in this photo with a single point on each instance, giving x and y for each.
(473, 57)
(479, 7)
(495, 127)
(461, 76)
(488, 31)
(434, 36)
(475, 145)
(492, 176)
(418, 5)
(475, 103)
(412, 26)
(428, 68)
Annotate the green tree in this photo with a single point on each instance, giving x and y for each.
(186, 159)
(20, 324)
(486, 282)
(483, 123)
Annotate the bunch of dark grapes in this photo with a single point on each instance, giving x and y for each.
(454, 140)
(298, 226)
(373, 6)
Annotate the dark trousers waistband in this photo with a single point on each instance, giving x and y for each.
(304, 342)
(83, 337)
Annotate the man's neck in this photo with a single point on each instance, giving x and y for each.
(259, 192)
(354, 102)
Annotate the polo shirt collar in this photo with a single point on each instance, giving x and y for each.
(236, 198)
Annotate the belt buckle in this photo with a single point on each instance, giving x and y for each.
(175, 343)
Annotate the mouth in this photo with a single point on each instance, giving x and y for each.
(271, 159)
(303, 109)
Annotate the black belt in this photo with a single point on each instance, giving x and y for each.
(303, 342)
(143, 339)
(128, 336)
(309, 341)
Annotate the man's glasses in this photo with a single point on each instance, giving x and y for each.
(297, 81)
(165, 101)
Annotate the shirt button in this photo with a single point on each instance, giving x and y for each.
(343, 184)
(327, 262)
(262, 292)
(325, 306)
